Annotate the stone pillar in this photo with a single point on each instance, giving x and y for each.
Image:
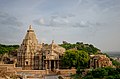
(95, 63)
(46, 64)
(54, 64)
(50, 64)
(91, 63)
(58, 64)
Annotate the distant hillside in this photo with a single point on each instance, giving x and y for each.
(89, 48)
(7, 48)
(114, 54)
(7, 52)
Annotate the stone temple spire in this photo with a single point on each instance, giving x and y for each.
(30, 39)
(31, 35)
(28, 48)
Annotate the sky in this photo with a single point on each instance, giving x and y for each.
(94, 22)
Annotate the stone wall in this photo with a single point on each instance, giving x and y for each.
(11, 69)
(7, 71)
(66, 71)
(42, 72)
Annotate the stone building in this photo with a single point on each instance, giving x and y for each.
(34, 56)
(52, 54)
(99, 60)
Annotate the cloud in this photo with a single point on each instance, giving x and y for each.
(10, 28)
(40, 21)
(8, 20)
(64, 21)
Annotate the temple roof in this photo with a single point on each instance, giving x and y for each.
(54, 48)
(31, 35)
(30, 41)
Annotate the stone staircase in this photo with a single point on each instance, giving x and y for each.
(51, 77)
(52, 72)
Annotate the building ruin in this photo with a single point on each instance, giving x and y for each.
(100, 60)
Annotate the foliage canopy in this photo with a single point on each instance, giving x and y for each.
(89, 48)
(75, 58)
(7, 48)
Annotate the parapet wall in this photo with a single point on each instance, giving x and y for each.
(11, 69)
(42, 72)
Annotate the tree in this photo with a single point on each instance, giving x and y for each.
(7, 48)
(103, 73)
(75, 58)
(10, 50)
(89, 48)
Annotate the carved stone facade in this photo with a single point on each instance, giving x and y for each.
(52, 54)
(98, 61)
(32, 55)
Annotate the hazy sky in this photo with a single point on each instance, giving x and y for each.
(95, 22)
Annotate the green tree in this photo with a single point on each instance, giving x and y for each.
(89, 48)
(75, 58)
(7, 48)
(103, 73)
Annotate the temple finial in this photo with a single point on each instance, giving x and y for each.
(30, 27)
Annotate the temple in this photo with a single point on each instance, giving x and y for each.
(34, 56)
(38, 61)
(100, 60)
